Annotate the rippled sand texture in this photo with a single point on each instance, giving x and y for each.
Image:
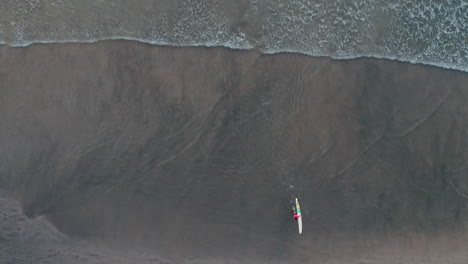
(191, 155)
(24, 240)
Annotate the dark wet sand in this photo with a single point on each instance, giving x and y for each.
(189, 155)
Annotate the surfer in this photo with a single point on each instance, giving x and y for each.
(295, 214)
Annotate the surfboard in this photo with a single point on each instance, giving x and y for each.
(299, 218)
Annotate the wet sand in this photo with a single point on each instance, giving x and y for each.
(193, 154)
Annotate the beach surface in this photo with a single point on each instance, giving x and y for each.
(123, 152)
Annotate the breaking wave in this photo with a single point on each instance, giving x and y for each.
(427, 32)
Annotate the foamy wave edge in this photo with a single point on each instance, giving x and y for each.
(235, 46)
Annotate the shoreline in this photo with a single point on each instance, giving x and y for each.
(236, 48)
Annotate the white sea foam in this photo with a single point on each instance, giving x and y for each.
(427, 32)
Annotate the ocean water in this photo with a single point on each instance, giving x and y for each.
(428, 31)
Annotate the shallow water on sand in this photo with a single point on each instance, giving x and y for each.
(193, 154)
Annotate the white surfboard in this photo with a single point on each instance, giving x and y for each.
(299, 218)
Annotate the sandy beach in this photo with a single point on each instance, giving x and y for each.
(192, 155)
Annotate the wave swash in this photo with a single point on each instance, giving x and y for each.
(427, 32)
